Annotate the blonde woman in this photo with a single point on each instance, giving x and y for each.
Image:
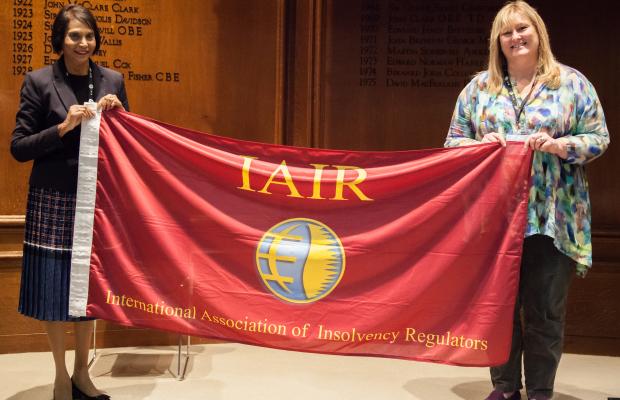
(555, 109)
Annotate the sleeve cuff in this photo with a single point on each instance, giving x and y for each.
(52, 139)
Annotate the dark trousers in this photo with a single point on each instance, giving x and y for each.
(546, 275)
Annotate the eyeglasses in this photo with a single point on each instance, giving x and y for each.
(78, 37)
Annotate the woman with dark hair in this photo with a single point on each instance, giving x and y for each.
(47, 131)
(525, 93)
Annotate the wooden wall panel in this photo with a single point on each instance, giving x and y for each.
(214, 66)
(301, 41)
(393, 70)
(211, 65)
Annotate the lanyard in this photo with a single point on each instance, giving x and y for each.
(515, 104)
(91, 85)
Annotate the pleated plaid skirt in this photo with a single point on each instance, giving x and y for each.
(46, 266)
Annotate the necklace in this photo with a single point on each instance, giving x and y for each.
(513, 98)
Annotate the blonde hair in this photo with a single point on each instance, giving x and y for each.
(548, 68)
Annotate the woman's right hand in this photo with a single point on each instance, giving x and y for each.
(74, 118)
(494, 137)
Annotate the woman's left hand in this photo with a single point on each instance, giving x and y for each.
(108, 102)
(542, 141)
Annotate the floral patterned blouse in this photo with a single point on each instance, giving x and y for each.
(559, 205)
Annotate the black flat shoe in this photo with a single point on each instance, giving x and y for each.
(77, 394)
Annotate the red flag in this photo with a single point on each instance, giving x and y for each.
(409, 254)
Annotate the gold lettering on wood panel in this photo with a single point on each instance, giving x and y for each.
(120, 23)
(412, 44)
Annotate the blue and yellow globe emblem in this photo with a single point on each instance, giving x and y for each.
(300, 260)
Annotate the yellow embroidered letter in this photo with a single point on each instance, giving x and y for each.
(245, 174)
(340, 183)
(316, 183)
(288, 181)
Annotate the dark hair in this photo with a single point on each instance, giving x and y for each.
(61, 24)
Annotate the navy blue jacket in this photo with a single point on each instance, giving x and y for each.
(45, 99)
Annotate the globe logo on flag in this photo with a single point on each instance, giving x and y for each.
(300, 260)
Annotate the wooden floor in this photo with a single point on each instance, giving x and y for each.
(226, 371)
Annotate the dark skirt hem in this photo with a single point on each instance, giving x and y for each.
(46, 264)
